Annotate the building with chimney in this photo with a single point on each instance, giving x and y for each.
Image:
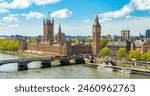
(141, 45)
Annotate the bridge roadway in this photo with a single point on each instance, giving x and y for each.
(27, 60)
(45, 62)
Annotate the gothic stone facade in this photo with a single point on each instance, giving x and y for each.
(96, 36)
(62, 47)
(141, 45)
(125, 34)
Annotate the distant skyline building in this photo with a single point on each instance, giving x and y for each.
(125, 34)
(147, 33)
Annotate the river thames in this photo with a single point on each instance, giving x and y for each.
(9, 71)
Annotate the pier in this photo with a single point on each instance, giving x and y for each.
(117, 68)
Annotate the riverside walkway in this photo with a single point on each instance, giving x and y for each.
(118, 68)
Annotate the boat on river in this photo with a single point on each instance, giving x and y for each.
(124, 70)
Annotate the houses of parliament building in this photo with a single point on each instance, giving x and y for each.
(62, 46)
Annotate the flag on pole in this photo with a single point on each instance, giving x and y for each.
(49, 14)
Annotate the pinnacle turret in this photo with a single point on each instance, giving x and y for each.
(96, 22)
(59, 30)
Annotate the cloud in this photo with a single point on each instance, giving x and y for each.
(14, 15)
(135, 24)
(87, 20)
(10, 21)
(64, 13)
(141, 4)
(13, 25)
(127, 9)
(42, 2)
(4, 11)
(10, 18)
(20, 4)
(33, 15)
(103, 19)
(2, 25)
(6, 5)
(128, 17)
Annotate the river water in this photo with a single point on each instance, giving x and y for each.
(9, 71)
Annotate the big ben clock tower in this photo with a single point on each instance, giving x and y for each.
(96, 36)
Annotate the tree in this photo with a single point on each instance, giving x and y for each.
(103, 42)
(144, 57)
(105, 52)
(147, 55)
(9, 45)
(121, 53)
(74, 40)
(88, 40)
(127, 56)
(131, 54)
(135, 55)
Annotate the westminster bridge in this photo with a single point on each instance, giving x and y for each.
(22, 64)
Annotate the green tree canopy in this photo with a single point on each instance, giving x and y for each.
(144, 57)
(131, 54)
(88, 40)
(148, 55)
(74, 40)
(105, 52)
(8, 45)
(135, 55)
(103, 42)
(121, 53)
(31, 40)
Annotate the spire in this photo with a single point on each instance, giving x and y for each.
(96, 19)
(96, 22)
(59, 35)
(59, 28)
(43, 21)
(49, 14)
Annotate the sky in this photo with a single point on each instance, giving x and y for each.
(25, 17)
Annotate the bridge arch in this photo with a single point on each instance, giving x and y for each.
(9, 67)
(34, 64)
